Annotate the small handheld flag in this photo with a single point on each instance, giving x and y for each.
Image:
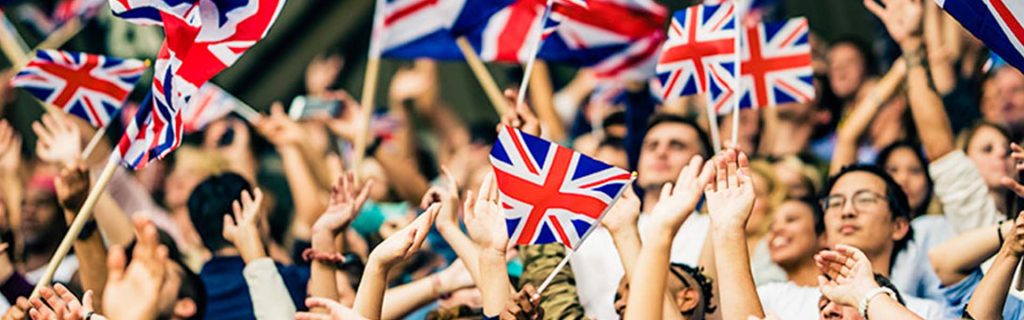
(91, 87)
(551, 193)
(699, 54)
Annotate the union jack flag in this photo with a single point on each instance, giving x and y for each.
(617, 39)
(551, 193)
(776, 65)
(211, 103)
(408, 29)
(92, 87)
(203, 37)
(71, 9)
(997, 23)
(699, 55)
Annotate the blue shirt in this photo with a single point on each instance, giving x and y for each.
(228, 294)
(960, 293)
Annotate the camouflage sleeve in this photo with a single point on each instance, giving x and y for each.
(559, 300)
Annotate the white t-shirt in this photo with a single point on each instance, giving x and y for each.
(598, 270)
(790, 301)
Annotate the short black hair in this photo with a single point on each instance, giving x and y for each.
(616, 118)
(612, 142)
(208, 204)
(706, 289)
(818, 215)
(899, 207)
(883, 159)
(661, 118)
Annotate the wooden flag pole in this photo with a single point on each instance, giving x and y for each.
(737, 60)
(483, 76)
(533, 56)
(84, 214)
(568, 255)
(95, 141)
(62, 35)
(367, 101)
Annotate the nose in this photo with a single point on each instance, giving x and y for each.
(848, 211)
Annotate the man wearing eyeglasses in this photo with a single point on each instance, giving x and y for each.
(866, 209)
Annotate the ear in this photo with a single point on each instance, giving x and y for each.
(900, 228)
(687, 300)
(185, 308)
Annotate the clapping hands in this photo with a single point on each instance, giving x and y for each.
(847, 275)
(406, 241)
(678, 200)
(731, 198)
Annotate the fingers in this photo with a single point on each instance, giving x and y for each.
(40, 310)
(56, 304)
(255, 203)
(311, 316)
(68, 298)
(1013, 185)
(363, 195)
(469, 204)
(229, 228)
(689, 173)
(450, 182)
(744, 168)
(666, 192)
(732, 167)
(422, 227)
(317, 302)
(87, 301)
(485, 188)
(42, 133)
(721, 173)
(875, 8)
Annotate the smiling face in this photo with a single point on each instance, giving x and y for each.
(870, 226)
(792, 239)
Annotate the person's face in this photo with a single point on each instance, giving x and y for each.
(988, 148)
(908, 171)
(791, 238)
(1008, 84)
(186, 175)
(870, 226)
(846, 68)
(40, 210)
(828, 310)
(666, 149)
(613, 156)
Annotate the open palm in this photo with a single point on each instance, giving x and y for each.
(731, 197)
(132, 292)
(484, 219)
(59, 140)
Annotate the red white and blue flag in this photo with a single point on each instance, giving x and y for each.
(997, 23)
(89, 86)
(551, 193)
(208, 105)
(616, 39)
(66, 10)
(699, 55)
(409, 29)
(203, 37)
(776, 66)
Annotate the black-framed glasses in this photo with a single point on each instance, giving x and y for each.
(862, 200)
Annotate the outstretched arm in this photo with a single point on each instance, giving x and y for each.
(990, 295)
(730, 201)
(849, 134)
(677, 202)
(972, 248)
(486, 226)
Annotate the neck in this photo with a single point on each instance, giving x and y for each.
(803, 273)
(881, 261)
(650, 199)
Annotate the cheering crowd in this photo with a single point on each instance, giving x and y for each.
(893, 195)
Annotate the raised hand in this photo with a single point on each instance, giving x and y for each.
(337, 311)
(10, 149)
(418, 83)
(242, 228)
(484, 219)
(279, 129)
(524, 305)
(850, 273)
(731, 198)
(677, 201)
(347, 197)
(520, 117)
(901, 17)
(62, 304)
(72, 187)
(132, 292)
(1014, 242)
(321, 73)
(447, 195)
(1017, 155)
(624, 214)
(405, 242)
(59, 140)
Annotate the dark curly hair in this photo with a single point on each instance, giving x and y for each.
(706, 289)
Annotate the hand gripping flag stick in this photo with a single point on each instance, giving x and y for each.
(568, 255)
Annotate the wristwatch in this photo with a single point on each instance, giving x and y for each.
(871, 295)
